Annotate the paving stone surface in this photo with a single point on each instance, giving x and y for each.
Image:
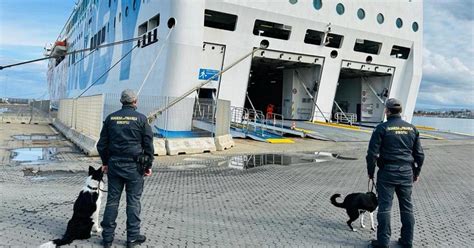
(201, 202)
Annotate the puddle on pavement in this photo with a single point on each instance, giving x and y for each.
(36, 137)
(34, 155)
(256, 160)
(38, 174)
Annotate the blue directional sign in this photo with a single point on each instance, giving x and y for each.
(206, 74)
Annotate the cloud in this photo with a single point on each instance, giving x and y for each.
(447, 71)
(448, 68)
(461, 9)
(25, 81)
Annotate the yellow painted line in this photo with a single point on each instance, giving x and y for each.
(281, 141)
(426, 128)
(337, 125)
(431, 136)
(341, 126)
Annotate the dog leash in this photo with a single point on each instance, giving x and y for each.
(98, 186)
(373, 185)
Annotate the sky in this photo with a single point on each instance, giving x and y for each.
(448, 49)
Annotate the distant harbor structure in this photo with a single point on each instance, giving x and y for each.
(316, 60)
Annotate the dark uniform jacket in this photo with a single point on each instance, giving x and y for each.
(125, 134)
(395, 142)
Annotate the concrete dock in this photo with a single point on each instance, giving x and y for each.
(199, 201)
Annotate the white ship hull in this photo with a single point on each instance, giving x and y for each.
(329, 67)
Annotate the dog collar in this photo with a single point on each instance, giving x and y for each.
(93, 188)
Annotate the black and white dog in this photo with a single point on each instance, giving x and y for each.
(85, 217)
(357, 204)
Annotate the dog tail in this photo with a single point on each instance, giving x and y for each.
(334, 202)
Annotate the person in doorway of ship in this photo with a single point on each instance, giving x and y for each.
(396, 149)
(126, 149)
(270, 110)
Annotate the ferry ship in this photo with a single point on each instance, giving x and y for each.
(318, 60)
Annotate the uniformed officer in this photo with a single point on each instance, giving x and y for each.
(396, 149)
(125, 136)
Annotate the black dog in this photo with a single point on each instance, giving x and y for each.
(356, 204)
(86, 212)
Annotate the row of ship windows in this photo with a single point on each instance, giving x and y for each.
(134, 7)
(225, 21)
(340, 9)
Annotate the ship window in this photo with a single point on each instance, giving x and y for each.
(110, 3)
(103, 35)
(317, 4)
(115, 20)
(367, 46)
(380, 18)
(120, 16)
(361, 14)
(126, 11)
(92, 43)
(293, 1)
(154, 22)
(219, 20)
(134, 5)
(414, 26)
(340, 8)
(399, 23)
(99, 37)
(400, 52)
(334, 40)
(272, 30)
(142, 28)
(313, 37)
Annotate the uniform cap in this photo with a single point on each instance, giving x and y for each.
(393, 103)
(128, 96)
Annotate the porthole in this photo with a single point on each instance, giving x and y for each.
(415, 26)
(399, 23)
(317, 4)
(264, 44)
(369, 59)
(134, 5)
(171, 22)
(361, 14)
(340, 8)
(126, 11)
(380, 18)
(333, 54)
(120, 16)
(293, 1)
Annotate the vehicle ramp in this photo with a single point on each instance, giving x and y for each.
(433, 133)
(331, 131)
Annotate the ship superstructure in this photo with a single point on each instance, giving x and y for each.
(323, 60)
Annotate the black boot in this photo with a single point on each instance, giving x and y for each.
(137, 241)
(404, 244)
(376, 244)
(107, 244)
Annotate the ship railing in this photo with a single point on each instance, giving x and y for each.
(248, 120)
(204, 110)
(239, 117)
(342, 117)
(275, 120)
